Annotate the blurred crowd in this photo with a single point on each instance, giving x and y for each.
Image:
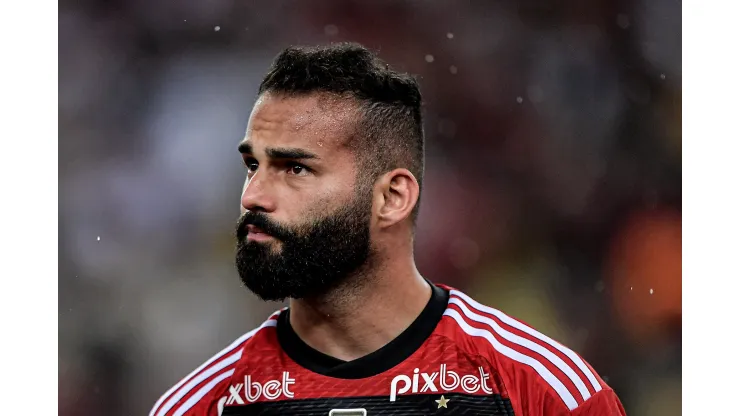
(552, 189)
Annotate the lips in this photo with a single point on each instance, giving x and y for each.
(253, 229)
(255, 226)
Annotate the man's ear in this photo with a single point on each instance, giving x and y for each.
(395, 196)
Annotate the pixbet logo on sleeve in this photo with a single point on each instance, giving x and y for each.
(448, 381)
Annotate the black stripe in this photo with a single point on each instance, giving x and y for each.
(410, 405)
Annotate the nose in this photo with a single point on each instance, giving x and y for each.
(255, 195)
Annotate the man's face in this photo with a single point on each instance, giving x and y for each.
(305, 225)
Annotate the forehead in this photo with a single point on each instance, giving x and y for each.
(318, 122)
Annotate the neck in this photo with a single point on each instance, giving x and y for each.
(356, 319)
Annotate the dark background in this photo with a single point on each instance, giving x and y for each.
(552, 189)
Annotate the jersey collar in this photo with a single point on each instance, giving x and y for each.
(387, 357)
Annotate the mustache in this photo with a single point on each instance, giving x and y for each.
(259, 220)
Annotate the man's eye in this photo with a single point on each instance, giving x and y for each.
(251, 165)
(297, 169)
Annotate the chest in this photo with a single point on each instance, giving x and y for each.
(417, 387)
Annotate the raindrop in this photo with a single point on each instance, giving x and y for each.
(630, 288)
(450, 35)
(651, 291)
(98, 238)
(453, 70)
(331, 30)
(519, 100)
(217, 28)
(429, 58)
(662, 76)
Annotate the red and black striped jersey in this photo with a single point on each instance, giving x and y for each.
(458, 357)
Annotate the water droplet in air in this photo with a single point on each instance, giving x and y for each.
(217, 28)
(429, 58)
(98, 238)
(651, 291)
(331, 30)
(630, 287)
(662, 76)
(453, 69)
(519, 100)
(450, 35)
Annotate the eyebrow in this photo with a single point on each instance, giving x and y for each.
(280, 152)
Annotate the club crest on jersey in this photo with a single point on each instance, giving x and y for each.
(251, 391)
(440, 381)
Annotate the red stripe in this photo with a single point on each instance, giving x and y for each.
(567, 360)
(550, 366)
(603, 384)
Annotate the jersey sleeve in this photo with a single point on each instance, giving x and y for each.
(603, 403)
(198, 396)
(204, 391)
(199, 392)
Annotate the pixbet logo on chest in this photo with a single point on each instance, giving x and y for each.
(252, 390)
(448, 381)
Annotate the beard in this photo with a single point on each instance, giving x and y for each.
(312, 258)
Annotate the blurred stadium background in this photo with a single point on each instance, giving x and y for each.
(552, 189)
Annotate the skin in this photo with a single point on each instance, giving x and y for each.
(385, 296)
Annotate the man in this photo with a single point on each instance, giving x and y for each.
(334, 158)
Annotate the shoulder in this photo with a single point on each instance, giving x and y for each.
(196, 391)
(529, 362)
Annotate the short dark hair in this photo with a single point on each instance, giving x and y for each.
(389, 134)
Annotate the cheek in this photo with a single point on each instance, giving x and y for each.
(322, 204)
